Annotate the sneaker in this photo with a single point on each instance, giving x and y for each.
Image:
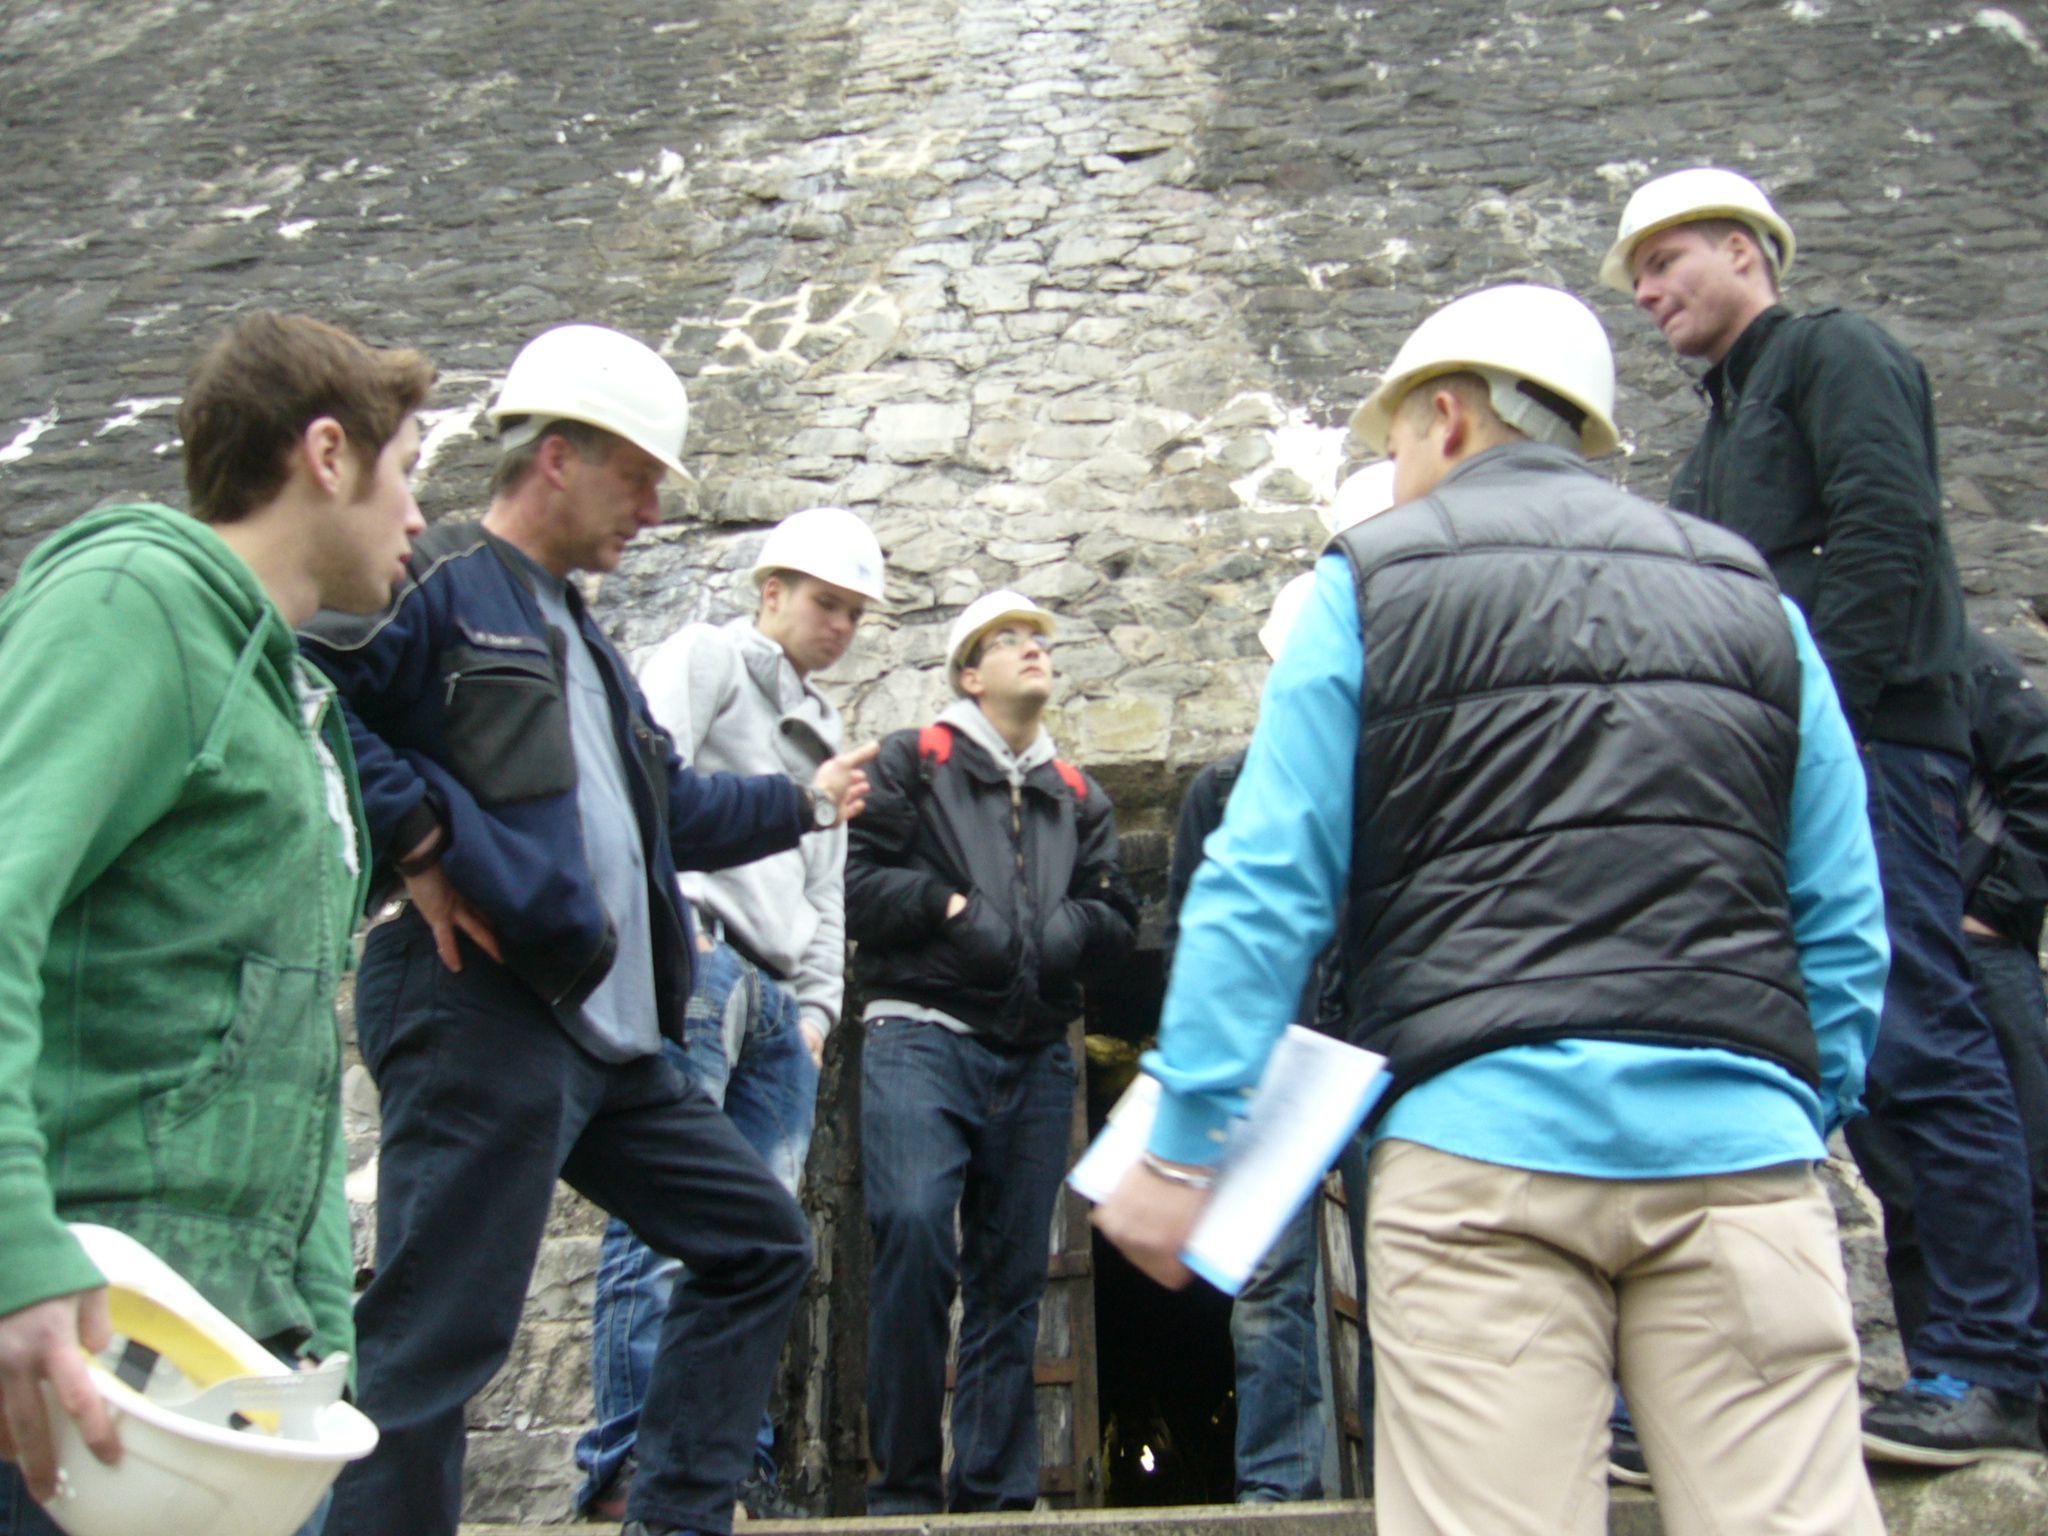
(761, 1496)
(1625, 1463)
(1938, 1420)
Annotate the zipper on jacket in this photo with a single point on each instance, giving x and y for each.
(1017, 824)
(503, 672)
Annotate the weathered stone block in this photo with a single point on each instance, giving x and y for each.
(912, 434)
(1117, 729)
(998, 290)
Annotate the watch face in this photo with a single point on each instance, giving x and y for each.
(824, 811)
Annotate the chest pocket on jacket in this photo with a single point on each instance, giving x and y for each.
(508, 724)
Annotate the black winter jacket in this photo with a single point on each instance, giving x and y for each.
(1580, 730)
(2004, 854)
(1820, 450)
(1047, 903)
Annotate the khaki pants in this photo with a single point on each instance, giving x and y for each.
(1505, 1303)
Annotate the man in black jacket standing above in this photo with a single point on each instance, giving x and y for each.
(982, 886)
(1820, 449)
(2005, 884)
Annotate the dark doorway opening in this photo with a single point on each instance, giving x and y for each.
(1165, 1375)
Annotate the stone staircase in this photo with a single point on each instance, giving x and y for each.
(1992, 1499)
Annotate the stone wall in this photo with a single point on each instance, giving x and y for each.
(1068, 295)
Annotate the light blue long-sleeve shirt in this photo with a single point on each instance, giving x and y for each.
(1265, 900)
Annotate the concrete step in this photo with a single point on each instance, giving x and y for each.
(2001, 1498)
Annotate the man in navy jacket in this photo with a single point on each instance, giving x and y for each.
(513, 1014)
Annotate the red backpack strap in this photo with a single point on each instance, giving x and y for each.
(1076, 780)
(935, 742)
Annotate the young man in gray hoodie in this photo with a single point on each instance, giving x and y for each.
(771, 936)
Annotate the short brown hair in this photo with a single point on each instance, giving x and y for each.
(1471, 389)
(1717, 232)
(268, 377)
(593, 445)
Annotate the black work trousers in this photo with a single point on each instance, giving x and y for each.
(486, 1101)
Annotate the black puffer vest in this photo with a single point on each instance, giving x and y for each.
(1581, 724)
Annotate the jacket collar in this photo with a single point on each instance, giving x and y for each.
(965, 716)
(770, 668)
(1521, 458)
(1725, 379)
(806, 719)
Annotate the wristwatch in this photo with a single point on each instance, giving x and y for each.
(821, 811)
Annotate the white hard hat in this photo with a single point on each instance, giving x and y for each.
(218, 1436)
(990, 611)
(1686, 197)
(829, 543)
(1363, 495)
(602, 377)
(1516, 336)
(1287, 605)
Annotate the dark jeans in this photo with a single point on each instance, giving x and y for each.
(2009, 991)
(949, 1125)
(744, 1045)
(486, 1100)
(1942, 1129)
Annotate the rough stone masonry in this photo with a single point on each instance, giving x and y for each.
(1068, 295)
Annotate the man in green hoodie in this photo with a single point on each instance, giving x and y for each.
(182, 870)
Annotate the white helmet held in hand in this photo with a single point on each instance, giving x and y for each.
(1364, 495)
(599, 376)
(1288, 603)
(988, 612)
(1687, 197)
(829, 543)
(1543, 353)
(218, 1436)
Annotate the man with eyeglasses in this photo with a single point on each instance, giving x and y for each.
(982, 886)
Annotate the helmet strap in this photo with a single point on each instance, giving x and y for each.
(528, 429)
(1542, 415)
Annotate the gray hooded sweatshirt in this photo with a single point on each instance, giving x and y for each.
(735, 704)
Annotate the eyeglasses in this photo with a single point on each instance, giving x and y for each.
(1015, 640)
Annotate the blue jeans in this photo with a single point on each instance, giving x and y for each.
(487, 1101)
(1279, 1378)
(21, 1515)
(949, 1125)
(2008, 979)
(1939, 1093)
(743, 1044)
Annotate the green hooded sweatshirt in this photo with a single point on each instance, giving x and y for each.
(176, 906)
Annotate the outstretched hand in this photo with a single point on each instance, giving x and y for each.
(42, 1342)
(841, 781)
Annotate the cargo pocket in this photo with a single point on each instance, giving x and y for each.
(245, 1135)
(508, 725)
